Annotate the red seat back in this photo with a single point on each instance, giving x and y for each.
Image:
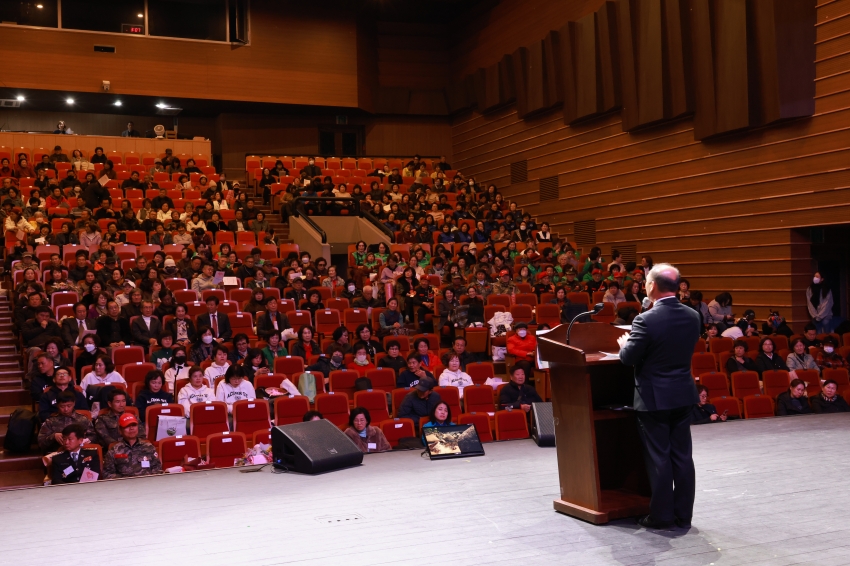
(717, 383)
(375, 402)
(208, 418)
(224, 447)
(757, 407)
(174, 449)
(511, 425)
(251, 415)
(382, 379)
(480, 371)
(451, 396)
(745, 383)
(775, 382)
(288, 410)
(478, 399)
(395, 429)
(152, 417)
(334, 407)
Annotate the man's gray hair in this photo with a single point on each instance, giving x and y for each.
(665, 276)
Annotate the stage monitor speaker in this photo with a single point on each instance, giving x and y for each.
(542, 424)
(313, 447)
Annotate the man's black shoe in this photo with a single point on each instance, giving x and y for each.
(648, 522)
(683, 524)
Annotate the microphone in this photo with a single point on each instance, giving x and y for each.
(645, 304)
(597, 308)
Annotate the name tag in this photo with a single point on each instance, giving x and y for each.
(251, 405)
(68, 471)
(146, 464)
(371, 446)
(399, 425)
(181, 443)
(209, 408)
(165, 411)
(226, 440)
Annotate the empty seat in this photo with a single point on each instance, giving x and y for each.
(251, 415)
(224, 447)
(717, 345)
(775, 382)
(480, 372)
(208, 418)
(128, 355)
(375, 402)
(757, 407)
(382, 379)
(745, 383)
(478, 399)
(511, 425)
(342, 381)
(395, 429)
(703, 363)
(481, 422)
(717, 383)
(334, 407)
(289, 365)
(174, 449)
(288, 410)
(732, 406)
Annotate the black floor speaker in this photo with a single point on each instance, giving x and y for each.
(313, 447)
(542, 424)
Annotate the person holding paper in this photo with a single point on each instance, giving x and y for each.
(660, 346)
(76, 460)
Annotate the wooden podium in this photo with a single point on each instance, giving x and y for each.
(601, 465)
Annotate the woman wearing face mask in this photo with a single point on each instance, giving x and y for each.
(828, 358)
(87, 356)
(202, 349)
(361, 363)
(350, 292)
(799, 358)
(522, 233)
(819, 302)
(154, 393)
(523, 345)
(367, 438)
(794, 401)
(179, 368)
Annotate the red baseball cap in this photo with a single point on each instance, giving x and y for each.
(596, 272)
(504, 272)
(127, 419)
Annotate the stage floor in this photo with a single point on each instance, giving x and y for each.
(771, 491)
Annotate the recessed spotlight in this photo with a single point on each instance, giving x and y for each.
(39, 6)
(117, 103)
(69, 100)
(141, 15)
(21, 99)
(162, 105)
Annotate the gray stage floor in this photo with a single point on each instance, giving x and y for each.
(773, 492)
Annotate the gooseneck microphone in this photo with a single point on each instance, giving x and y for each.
(597, 308)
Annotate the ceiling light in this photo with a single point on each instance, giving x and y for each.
(162, 105)
(21, 98)
(141, 15)
(117, 103)
(69, 100)
(39, 6)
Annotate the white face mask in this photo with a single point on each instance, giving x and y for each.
(90, 348)
(816, 280)
(305, 260)
(522, 332)
(351, 288)
(207, 339)
(361, 358)
(828, 349)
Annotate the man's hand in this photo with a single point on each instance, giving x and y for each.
(59, 438)
(714, 417)
(43, 324)
(621, 341)
(152, 341)
(723, 418)
(219, 340)
(525, 408)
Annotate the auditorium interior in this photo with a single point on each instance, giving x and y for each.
(226, 219)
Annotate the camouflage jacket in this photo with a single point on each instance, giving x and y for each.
(55, 423)
(106, 427)
(125, 461)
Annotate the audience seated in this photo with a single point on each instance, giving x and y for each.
(454, 376)
(366, 437)
(154, 392)
(794, 401)
(740, 361)
(130, 457)
(704, 412)
(196, 391)
(517, 394)
(50, 436)
(767, 359)
(75, 458)
(799, 357)
(828, 400)
(420, 402)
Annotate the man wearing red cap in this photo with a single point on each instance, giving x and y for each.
(596, 283)
(504, 286)
(544, 284)
(131, 457)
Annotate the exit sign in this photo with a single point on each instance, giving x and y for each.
(133, 28)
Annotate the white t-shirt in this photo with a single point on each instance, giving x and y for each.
(457, 379)
(92, 379)
(229, 394)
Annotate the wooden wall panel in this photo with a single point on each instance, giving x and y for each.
(305, 54)
(732, 212)
(676, 50)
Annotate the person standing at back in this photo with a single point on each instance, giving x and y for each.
(660, 346)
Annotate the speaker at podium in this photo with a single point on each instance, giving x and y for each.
(601, 467)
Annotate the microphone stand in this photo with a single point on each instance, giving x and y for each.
(596, 309)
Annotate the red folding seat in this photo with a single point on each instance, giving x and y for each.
(717, 383)
(288, 410)
(223, 448)
(334, 407)
(478, 399)
(511, 425)
(207, 418)
(375, 402)
(396, 429)
(757, 407)
(481, 422)
(745, 383)
(174, 449)
(775, 382)
(251, 415)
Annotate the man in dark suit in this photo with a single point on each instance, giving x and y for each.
(239, 224)
(73, 327)
(68, 467)
(660, 346)
(146, 328)
(217, 321)
(272, 321)
(37, 331)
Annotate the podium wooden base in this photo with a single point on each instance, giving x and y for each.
(616, 504)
